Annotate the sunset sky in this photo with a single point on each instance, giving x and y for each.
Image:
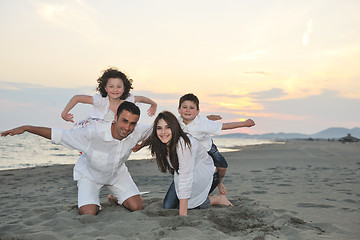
(291, 66)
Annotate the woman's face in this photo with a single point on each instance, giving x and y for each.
(163, 131)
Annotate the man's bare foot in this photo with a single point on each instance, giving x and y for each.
(222, 189)
(220, 200)
(112, 199)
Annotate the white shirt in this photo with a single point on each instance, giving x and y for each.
(103, 157)
(201, 128)
(101, 107)
(196, 169)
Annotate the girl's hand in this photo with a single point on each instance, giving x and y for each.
(68, 117)
(152, 110)
(214, 117)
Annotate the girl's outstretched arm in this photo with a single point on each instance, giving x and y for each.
(73, 101)
(152, 109)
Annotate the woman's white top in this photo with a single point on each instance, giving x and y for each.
(196, 169)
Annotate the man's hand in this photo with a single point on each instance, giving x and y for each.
(15, 131)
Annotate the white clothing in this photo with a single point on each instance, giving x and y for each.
(196, 169)
(103, 157)
(101, 107)
(88, 191)
(201, 128)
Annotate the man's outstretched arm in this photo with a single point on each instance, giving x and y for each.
(41, 131)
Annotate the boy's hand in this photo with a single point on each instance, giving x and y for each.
(249, 123)
(222, 189)
(214, 117)
(15, 131)
(69, 117)
(152, 110)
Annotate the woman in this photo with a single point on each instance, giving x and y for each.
(187, 159)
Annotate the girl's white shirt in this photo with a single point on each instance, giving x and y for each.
(196, 169)
(101, 107)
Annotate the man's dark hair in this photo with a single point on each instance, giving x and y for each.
(128, 106)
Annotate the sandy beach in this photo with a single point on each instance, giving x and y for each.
(295, 190)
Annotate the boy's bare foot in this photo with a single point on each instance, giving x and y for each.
(112, 199)
(220, 200)
(222, 189)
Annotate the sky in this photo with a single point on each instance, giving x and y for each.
(291, 66)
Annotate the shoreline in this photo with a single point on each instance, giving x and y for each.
(295, 190)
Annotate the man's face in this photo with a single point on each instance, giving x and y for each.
(124, 124)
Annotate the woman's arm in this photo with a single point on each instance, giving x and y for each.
(73, 101)
(152, 109)
(183, 206)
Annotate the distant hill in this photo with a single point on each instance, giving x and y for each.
(325, 134)
(337, 133)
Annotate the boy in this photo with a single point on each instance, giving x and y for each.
(201, 127)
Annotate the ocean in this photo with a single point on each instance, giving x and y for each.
(28, 150)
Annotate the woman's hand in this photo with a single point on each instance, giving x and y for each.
(183, 207)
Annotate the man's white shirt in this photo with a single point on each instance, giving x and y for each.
(102, 157)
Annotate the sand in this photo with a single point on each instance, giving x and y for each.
(295, 190)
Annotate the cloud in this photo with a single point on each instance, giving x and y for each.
(307, 33)
(329, 103)
(269, 94)
(248, 55)
(74, 16)
(256, 72)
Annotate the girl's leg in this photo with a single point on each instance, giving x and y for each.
(171, 200)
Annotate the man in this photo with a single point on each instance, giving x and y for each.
(105, 147)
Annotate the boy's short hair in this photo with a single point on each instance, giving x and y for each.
(189, 97)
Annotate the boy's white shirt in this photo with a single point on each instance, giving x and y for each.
(201, 128)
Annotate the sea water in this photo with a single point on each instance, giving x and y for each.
(28, 150)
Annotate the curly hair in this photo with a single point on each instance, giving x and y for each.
(114, 73)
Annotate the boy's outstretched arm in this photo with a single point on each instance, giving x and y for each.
(152, 109)
(232, 125)
(41, 131)
(73, 101)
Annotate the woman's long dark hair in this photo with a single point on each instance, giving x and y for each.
(158, 149)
